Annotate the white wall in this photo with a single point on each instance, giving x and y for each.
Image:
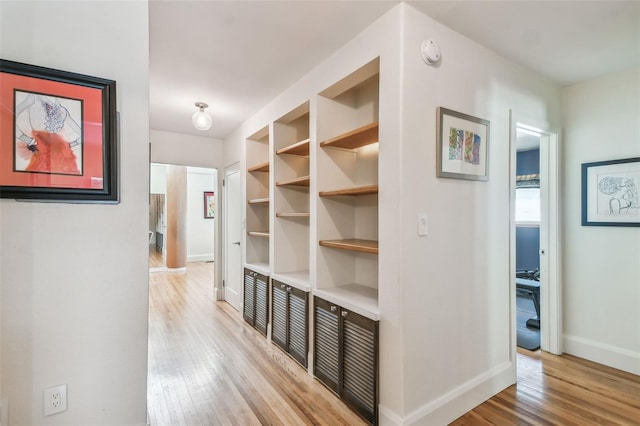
(185, 150)
(457, 299)
(200, 231)
(601, 274)
(74, 278)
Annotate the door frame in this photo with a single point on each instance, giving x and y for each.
(550, 231)
(233, 168)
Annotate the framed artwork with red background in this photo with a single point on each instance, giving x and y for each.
(58, 135)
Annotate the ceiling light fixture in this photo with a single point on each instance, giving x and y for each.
(201, 120)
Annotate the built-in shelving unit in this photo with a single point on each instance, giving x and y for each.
(312, 231)
(348, 135)
(291, 168)
(258, 197)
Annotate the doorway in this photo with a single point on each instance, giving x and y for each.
(199, 215)
(233, 236)
(537, 213)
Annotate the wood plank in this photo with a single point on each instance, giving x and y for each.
(358, 190)
(292, 214)
(259, 201)
(300, 181)
(261, 234)
(262, 167)
(362, 246)
(299, 148)
(362, 136)
(208, 367)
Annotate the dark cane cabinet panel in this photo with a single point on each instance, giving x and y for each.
(326, 356)
(360, 363)
(289, 323)
(298, 325)
(279, 314)
(249, 296)
(262, 303)
(256, 300)
(346, 356)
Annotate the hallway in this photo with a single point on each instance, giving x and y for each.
(207, 367)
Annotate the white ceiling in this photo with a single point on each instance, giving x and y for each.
(238, 55)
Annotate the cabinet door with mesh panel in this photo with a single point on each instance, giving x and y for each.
(326, 356)
(298, 343)
(248, 299)
(279, 314)
(360, 364)
(262, 303)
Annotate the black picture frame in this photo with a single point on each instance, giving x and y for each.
(58, 135)
(611, 193)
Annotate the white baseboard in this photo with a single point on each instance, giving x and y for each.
(208, 257)
(612, 356)
(457, 402)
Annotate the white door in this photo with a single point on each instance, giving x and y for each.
(233, 237)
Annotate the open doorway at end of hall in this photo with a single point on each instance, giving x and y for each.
(182, 215)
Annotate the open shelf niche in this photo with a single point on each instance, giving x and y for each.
(258, 198)
(291, 198)
(347, 184)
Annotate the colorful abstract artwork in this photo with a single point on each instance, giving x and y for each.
(462, 146)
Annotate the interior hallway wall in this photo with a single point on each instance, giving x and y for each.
(601, 271)
(74, 277)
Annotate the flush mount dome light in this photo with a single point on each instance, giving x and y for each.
(201, 120)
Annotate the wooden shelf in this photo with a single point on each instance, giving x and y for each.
(292, 214)
(258, 234)
(262, 167)
(299, 148)
(363, 136)
(301, 181)
(362, 246)
(259, 201)
(358, 190)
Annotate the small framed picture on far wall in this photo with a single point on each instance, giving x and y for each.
(209, 205)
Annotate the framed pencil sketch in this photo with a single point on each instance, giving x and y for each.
(611, 193)
(209, 205)
(58, 135)
(462, 146)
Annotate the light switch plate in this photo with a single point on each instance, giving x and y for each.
(422, 224)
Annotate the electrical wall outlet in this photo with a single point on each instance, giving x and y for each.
(55, 400)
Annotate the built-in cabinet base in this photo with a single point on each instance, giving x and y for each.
(346, 356)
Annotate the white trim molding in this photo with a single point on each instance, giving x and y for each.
(602, 353)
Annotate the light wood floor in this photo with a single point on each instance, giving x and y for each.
(156, 259)
(208, 367)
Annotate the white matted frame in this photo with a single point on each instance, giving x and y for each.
(611, 193)
(462, 146)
